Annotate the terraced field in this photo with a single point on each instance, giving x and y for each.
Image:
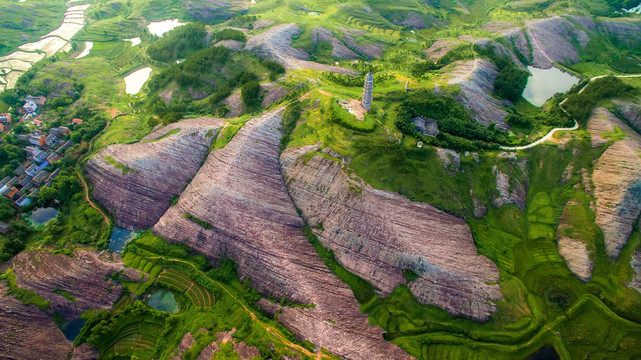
(177, 280)
(135, 338)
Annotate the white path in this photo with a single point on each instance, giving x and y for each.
(576, 124)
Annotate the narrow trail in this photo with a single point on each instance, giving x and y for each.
(84, 182)
(549, 135)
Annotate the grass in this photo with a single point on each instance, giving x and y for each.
(27, 21)
(226, 135)
(615, 135)
(177, 280)
(27, 297)
(198, 221)
(125, 170)
(168, 134)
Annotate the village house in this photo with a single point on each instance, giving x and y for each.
(40, 156)
(4, 228)
(59, 131)
(1, 128)
(51, 140)
(5, 118)
(23, 201)
(32, 170)
(30, 108)
(54, 156)
(38, 100)
(41, 176)
(31, 150)
(20, 170)
(10, 192)
(76, 121)
(24, 180)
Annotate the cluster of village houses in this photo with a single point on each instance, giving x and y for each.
(42, 148)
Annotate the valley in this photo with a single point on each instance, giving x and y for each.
(215, 185)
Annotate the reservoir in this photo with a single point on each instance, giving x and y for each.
(158, 28)
(71, 328)
(135, 80)
(120, 237)
(543, 84)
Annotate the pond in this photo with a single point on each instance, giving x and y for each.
(543, 84)
(71, 328)
(135, 80)
(120, 237)
(158, 28)
(164, 300)
(134, 41)
(545, 353)
(41, 216)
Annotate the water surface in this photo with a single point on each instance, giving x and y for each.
(158, 28)
(135, 80)
(164, 300)
(134, 41)
(71, 328)
(120, 237)
(41, 216)
(543, 84)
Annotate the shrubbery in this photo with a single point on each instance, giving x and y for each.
(178, 43)
(229, 34)
(579, 106)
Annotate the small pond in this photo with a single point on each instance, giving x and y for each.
(134, 41)
(41, 216)
(164, 300)
(120, 237)
(71, 328)
(158, 28)
(545, 353)
(543, 84)
(135, 80)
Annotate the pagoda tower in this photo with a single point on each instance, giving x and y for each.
(368, 90)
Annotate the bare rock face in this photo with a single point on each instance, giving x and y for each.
(617, 180)
(574, 252)
(276, 44)
(561, 39)
(636, 266)
(55, 277)
(576, 256)
(28, 333)
(378, 234)
(631, 112)
(370, 50)
(476, 81)
(440, 48)
(85, 352)
(411, 20)
(136, 182)
(273, 93)
(450, 159)
(339, 50)
(233, 45)
(511, 187)
(237, 205)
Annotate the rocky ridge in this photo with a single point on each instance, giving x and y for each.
(377, 234)
(28, 333)
(275, 43)
(136, 182)
(56, 277)
(574, 252)
(617, 180)
(339, 50)
(476, 81)
(240, 194)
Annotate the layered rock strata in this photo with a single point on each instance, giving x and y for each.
(339, 50)
(28, 333)
(136, 182)
(616, 178)
(631, 112)
(476, 81)
(574, 251)
(238, 206)
(72, 284)
(636, 267)
(275, 43)
(378, 234)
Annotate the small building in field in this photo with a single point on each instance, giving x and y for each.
(76, 121)
(427, 127)
(5, 118)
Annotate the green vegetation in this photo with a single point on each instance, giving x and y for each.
(178, 43)
(615, 135)
(176, 280)
(27, 297)
(125, 170)
(198, 221)
(229, 34)
(580, 105)
(27, 21)
(226, 135)
(65, 294)
(168, 134)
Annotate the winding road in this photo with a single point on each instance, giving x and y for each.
(549, 135)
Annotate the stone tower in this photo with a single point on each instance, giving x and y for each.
(368, 90)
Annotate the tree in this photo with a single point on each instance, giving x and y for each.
(6, 209)
(250, 94)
